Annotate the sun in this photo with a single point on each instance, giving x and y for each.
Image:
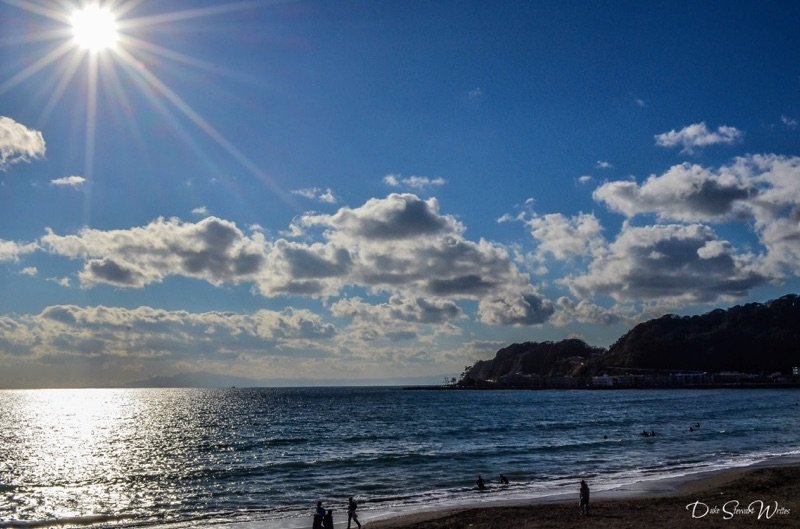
(94, 28)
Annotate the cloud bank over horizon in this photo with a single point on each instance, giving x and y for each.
(421, 281)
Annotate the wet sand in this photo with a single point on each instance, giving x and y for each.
(762, 496)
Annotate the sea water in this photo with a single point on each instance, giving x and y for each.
(264, 457)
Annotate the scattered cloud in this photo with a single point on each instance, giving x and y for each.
(74, 181)
(201, 211)
(789, 122)
(568, 311)
(400, 245)
(515, 308)
(585, 179)
(507, 217)
(64, 282)
(12, 251)
(686, 192)
(18, 143)
(475, 93)
(398, 320)
(30, 271)
(669, 265)
(640, 103)
(698, 136)
(118, 334)
(314, 193)
(399, 310)
(413, 182)
(602, 164)
(566, 238)
(763, 190)
(212, 249)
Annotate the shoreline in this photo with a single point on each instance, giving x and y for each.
(777, 479)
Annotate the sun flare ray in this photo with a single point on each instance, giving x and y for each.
(187, 14)
(37, 66)
(66, 76)
(200, 122)
(34, 37)
(53, 14)
(175, 56)
(91, 125)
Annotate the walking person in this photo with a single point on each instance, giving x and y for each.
(319, 515)
(584, 498)
(351, 512)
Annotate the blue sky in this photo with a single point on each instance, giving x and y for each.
(362, 190)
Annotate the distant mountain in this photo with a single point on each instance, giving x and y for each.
(752, 338)
(194, 380)
(212, 380)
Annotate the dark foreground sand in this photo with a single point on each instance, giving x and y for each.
(726, 491)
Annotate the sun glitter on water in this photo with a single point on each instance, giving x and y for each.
(94, 28)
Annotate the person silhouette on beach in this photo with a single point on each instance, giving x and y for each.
(327, 520)
(351, 512)
(584, 498)
(480, 483)
(319, 515)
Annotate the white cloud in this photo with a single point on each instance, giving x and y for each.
(314, 193)
(640, 103)
(119, 333)
(30, 271)
(64, 282)
(602, 164)
(585, 179)
(515, 308)
(763, 190)
(399, 310)
(201, 211)
(475, 93)
(568, 311)
(413, 182)
(790, 122)
(686, 192)
(12, 251)
(214, 250)
(69, 181)
(506, 217)
(400, 245)
(670, 265)
(18, 143)
(697, 136)
(400, 319)
(564, 237)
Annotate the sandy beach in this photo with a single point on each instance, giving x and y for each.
(761, 496)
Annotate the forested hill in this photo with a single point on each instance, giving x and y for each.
(749, 338)
(545, 359)
(752, 338)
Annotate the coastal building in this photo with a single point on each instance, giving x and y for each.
(603, 381)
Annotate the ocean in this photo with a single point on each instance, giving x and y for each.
(186, 458)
